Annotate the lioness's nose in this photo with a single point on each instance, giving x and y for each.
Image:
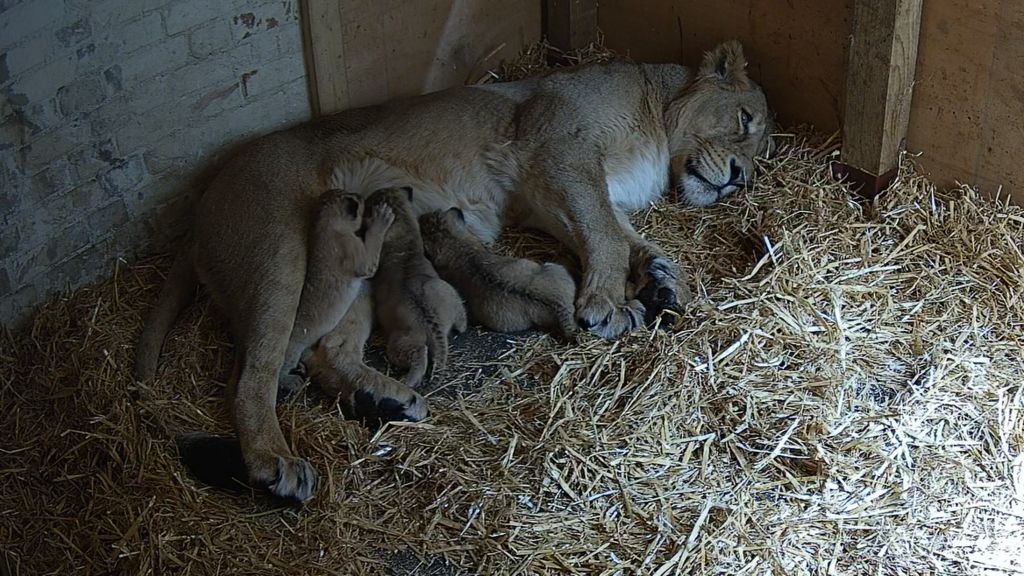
(735, 172)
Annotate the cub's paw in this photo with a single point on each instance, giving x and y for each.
(393, 403)
(661, 289)
(380, 218)
(606, 319)
(288, 384)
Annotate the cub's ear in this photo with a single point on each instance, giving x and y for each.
(350, 206)
(727, 64)
(459, 215)
(408, 192)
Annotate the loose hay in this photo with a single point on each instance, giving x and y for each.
(844, 396)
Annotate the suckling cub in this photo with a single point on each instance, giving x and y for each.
(416, 309)
(338, 263)
(503, 293)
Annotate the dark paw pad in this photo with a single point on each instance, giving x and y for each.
(661, 292)
(374, 412)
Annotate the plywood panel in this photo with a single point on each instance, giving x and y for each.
(797, 49)
(952, 84)
(392, 48)
(1001, 150)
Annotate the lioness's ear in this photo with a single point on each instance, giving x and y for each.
(726, 63)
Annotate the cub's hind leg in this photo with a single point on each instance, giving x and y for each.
(336, 365)
(410, 353)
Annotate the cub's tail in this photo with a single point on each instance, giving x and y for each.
(176, 294)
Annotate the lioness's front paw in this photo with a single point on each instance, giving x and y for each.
(285, 476)
(397, 403)
(661, 289)
(600, 316)
(294, 480)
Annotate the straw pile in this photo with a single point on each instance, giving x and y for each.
(844, 396)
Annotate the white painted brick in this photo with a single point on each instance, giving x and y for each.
(258, 20)
(186, 14)
(27, 18)
(109, 14)
(289, 39)
(46, 148)
(92, 183)
(209, 39)
(273, 75)
(42, 82)
(141, 32)
(156, 59)
(178, 85)
(30, 53)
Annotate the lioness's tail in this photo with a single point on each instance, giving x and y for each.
(175, 295)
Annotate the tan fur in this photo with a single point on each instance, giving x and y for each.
(570, 153)
(504, 294)
(336, 365)
(417, 310)
(339, 263)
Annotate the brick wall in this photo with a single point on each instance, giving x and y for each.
(112, 115)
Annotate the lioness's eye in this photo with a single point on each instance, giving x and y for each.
(745, 119)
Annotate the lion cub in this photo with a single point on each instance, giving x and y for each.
(416, 309)
(504, 294)
(339, 261)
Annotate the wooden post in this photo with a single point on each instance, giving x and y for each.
(325, 55)
(570, 24)
(879, 85)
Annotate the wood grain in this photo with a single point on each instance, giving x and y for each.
(363, 52)
(880, 75)
(570, 24)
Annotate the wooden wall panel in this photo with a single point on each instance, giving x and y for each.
(967, 116)
(952, 85)
(796, 49)
(369, 51)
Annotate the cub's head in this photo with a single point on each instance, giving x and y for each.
(716, 128)
(340, 210)
(444, 229)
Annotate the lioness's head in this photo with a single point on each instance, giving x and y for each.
(716, 128)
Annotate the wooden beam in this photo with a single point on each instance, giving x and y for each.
(879, 85)
(325, 56)
(570, 24)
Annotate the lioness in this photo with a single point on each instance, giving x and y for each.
(570, 153)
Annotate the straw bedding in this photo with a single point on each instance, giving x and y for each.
(843, 396)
